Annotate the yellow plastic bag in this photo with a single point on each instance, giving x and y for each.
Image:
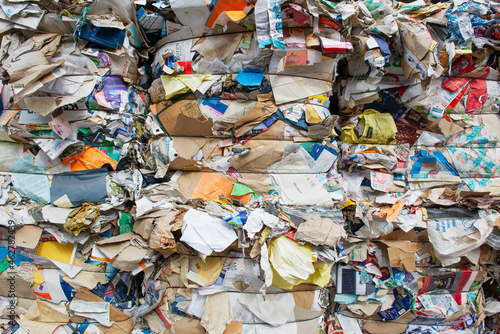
(182, 83)
(81, 218)
(293, 264)
(378, 128)
(315, 103)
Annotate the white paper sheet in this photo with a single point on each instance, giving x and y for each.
(99, 311)
(300, 187)
(193, 13)
(205, 233)
(349, 325)
(197, 304)
(53, 284)
(53, 147)
(290, 88)
(275, 309)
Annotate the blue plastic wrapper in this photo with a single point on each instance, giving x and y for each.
(301, 123)
(459, 24)
(174, 306)
(110, 38)
(237, 219)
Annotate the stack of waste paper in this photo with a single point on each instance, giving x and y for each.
(260, 166)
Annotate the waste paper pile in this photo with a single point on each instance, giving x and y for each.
(260, 166)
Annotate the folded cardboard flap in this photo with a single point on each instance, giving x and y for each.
(122, 322)
(320, 231)
(192, 127)
(258, 159)
(376, 326)
(187, 147)
(183, 118)
(233, 328)
(113, 246)
(402, 253)
(41, 317)
(23, 287)
(187, 325)
(130, 257)
(261, 111)
(28, 236)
